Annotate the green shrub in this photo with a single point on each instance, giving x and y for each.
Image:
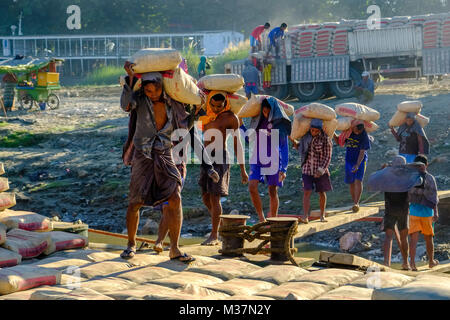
(107, 75)
(239, 52)
(20, 139)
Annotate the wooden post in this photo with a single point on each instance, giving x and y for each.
(230, 242)
(280, 222)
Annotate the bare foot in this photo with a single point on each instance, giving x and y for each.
(433, 263)
(355, 208)
(322, 219)
(158, 247)
(211, 242)
(303, 220)
(413, 267)
(406, 267)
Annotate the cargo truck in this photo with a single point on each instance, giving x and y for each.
(328, 59)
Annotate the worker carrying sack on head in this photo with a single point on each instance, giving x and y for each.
(365, 89)
(357, 143)
(315, 148)
(412, 138)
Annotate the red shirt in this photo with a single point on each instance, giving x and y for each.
(256, 33)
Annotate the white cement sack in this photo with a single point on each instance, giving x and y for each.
(181, 87)
(237, 101)
(357, 111)
(243, 297)
(2, 233)
(276, 274)
(245, 287)
(300, 126)
(76, 294)
(253, 107)
(348, 293)
(318, 111)
(9, 258)
(370, 126)
(4, 184)
(410, 106)
(399, 118)
(155, 59)
(425, 287)
(178, 266)
(108, 284)
(21, 278)
(140, 292)
(382, 280)
(344, 123)
(25, 220)
(332, 277)
(64, 240)
(303, 290)
(103, 268)
(60, 263)
(221, 82)
(144, 275)
(26, 243)
(181, 279)
(7, 200)
(227, 269)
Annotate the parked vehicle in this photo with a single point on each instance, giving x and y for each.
(328, 59)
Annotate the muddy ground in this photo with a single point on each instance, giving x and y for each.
(67, 163)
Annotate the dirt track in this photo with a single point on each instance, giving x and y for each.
(73, 168)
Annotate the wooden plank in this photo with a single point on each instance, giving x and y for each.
(444, 194)
(334, 221)
(444, 266)
(348, 260)
(2, 168)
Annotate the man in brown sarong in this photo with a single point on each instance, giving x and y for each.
(223, 120)
(155, 178)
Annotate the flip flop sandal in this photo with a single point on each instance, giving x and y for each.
(188, 258)
(301, 220)
(128, 253)
(157, 249)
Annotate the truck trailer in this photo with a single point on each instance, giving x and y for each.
(327, 59)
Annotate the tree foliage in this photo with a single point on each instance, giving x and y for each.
(149, 16)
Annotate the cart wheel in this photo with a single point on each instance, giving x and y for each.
(53, 101)
(26, 102)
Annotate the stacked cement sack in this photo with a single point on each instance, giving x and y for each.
(7, 200)
(227, 84)
(177, 84)
(27, 235)
(355, 111)
(403, 109)
(253, 107)
(304, 115)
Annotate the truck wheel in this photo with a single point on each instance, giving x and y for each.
(278, 91)
(311, 91)
(345, 89)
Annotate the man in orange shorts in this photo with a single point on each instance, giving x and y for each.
(423, 213)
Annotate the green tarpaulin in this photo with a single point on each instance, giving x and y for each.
(24, 65)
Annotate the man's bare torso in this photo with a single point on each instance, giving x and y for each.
(224, 121)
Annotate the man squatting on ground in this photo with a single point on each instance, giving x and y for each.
(155, 178)
(357, 143)
(270, 158)
(218, 123)
(316, 149)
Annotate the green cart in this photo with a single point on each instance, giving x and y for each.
(38, 81)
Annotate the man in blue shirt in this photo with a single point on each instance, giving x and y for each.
(274, 36)
(364, 90)
(357, 143)
(251, 79)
